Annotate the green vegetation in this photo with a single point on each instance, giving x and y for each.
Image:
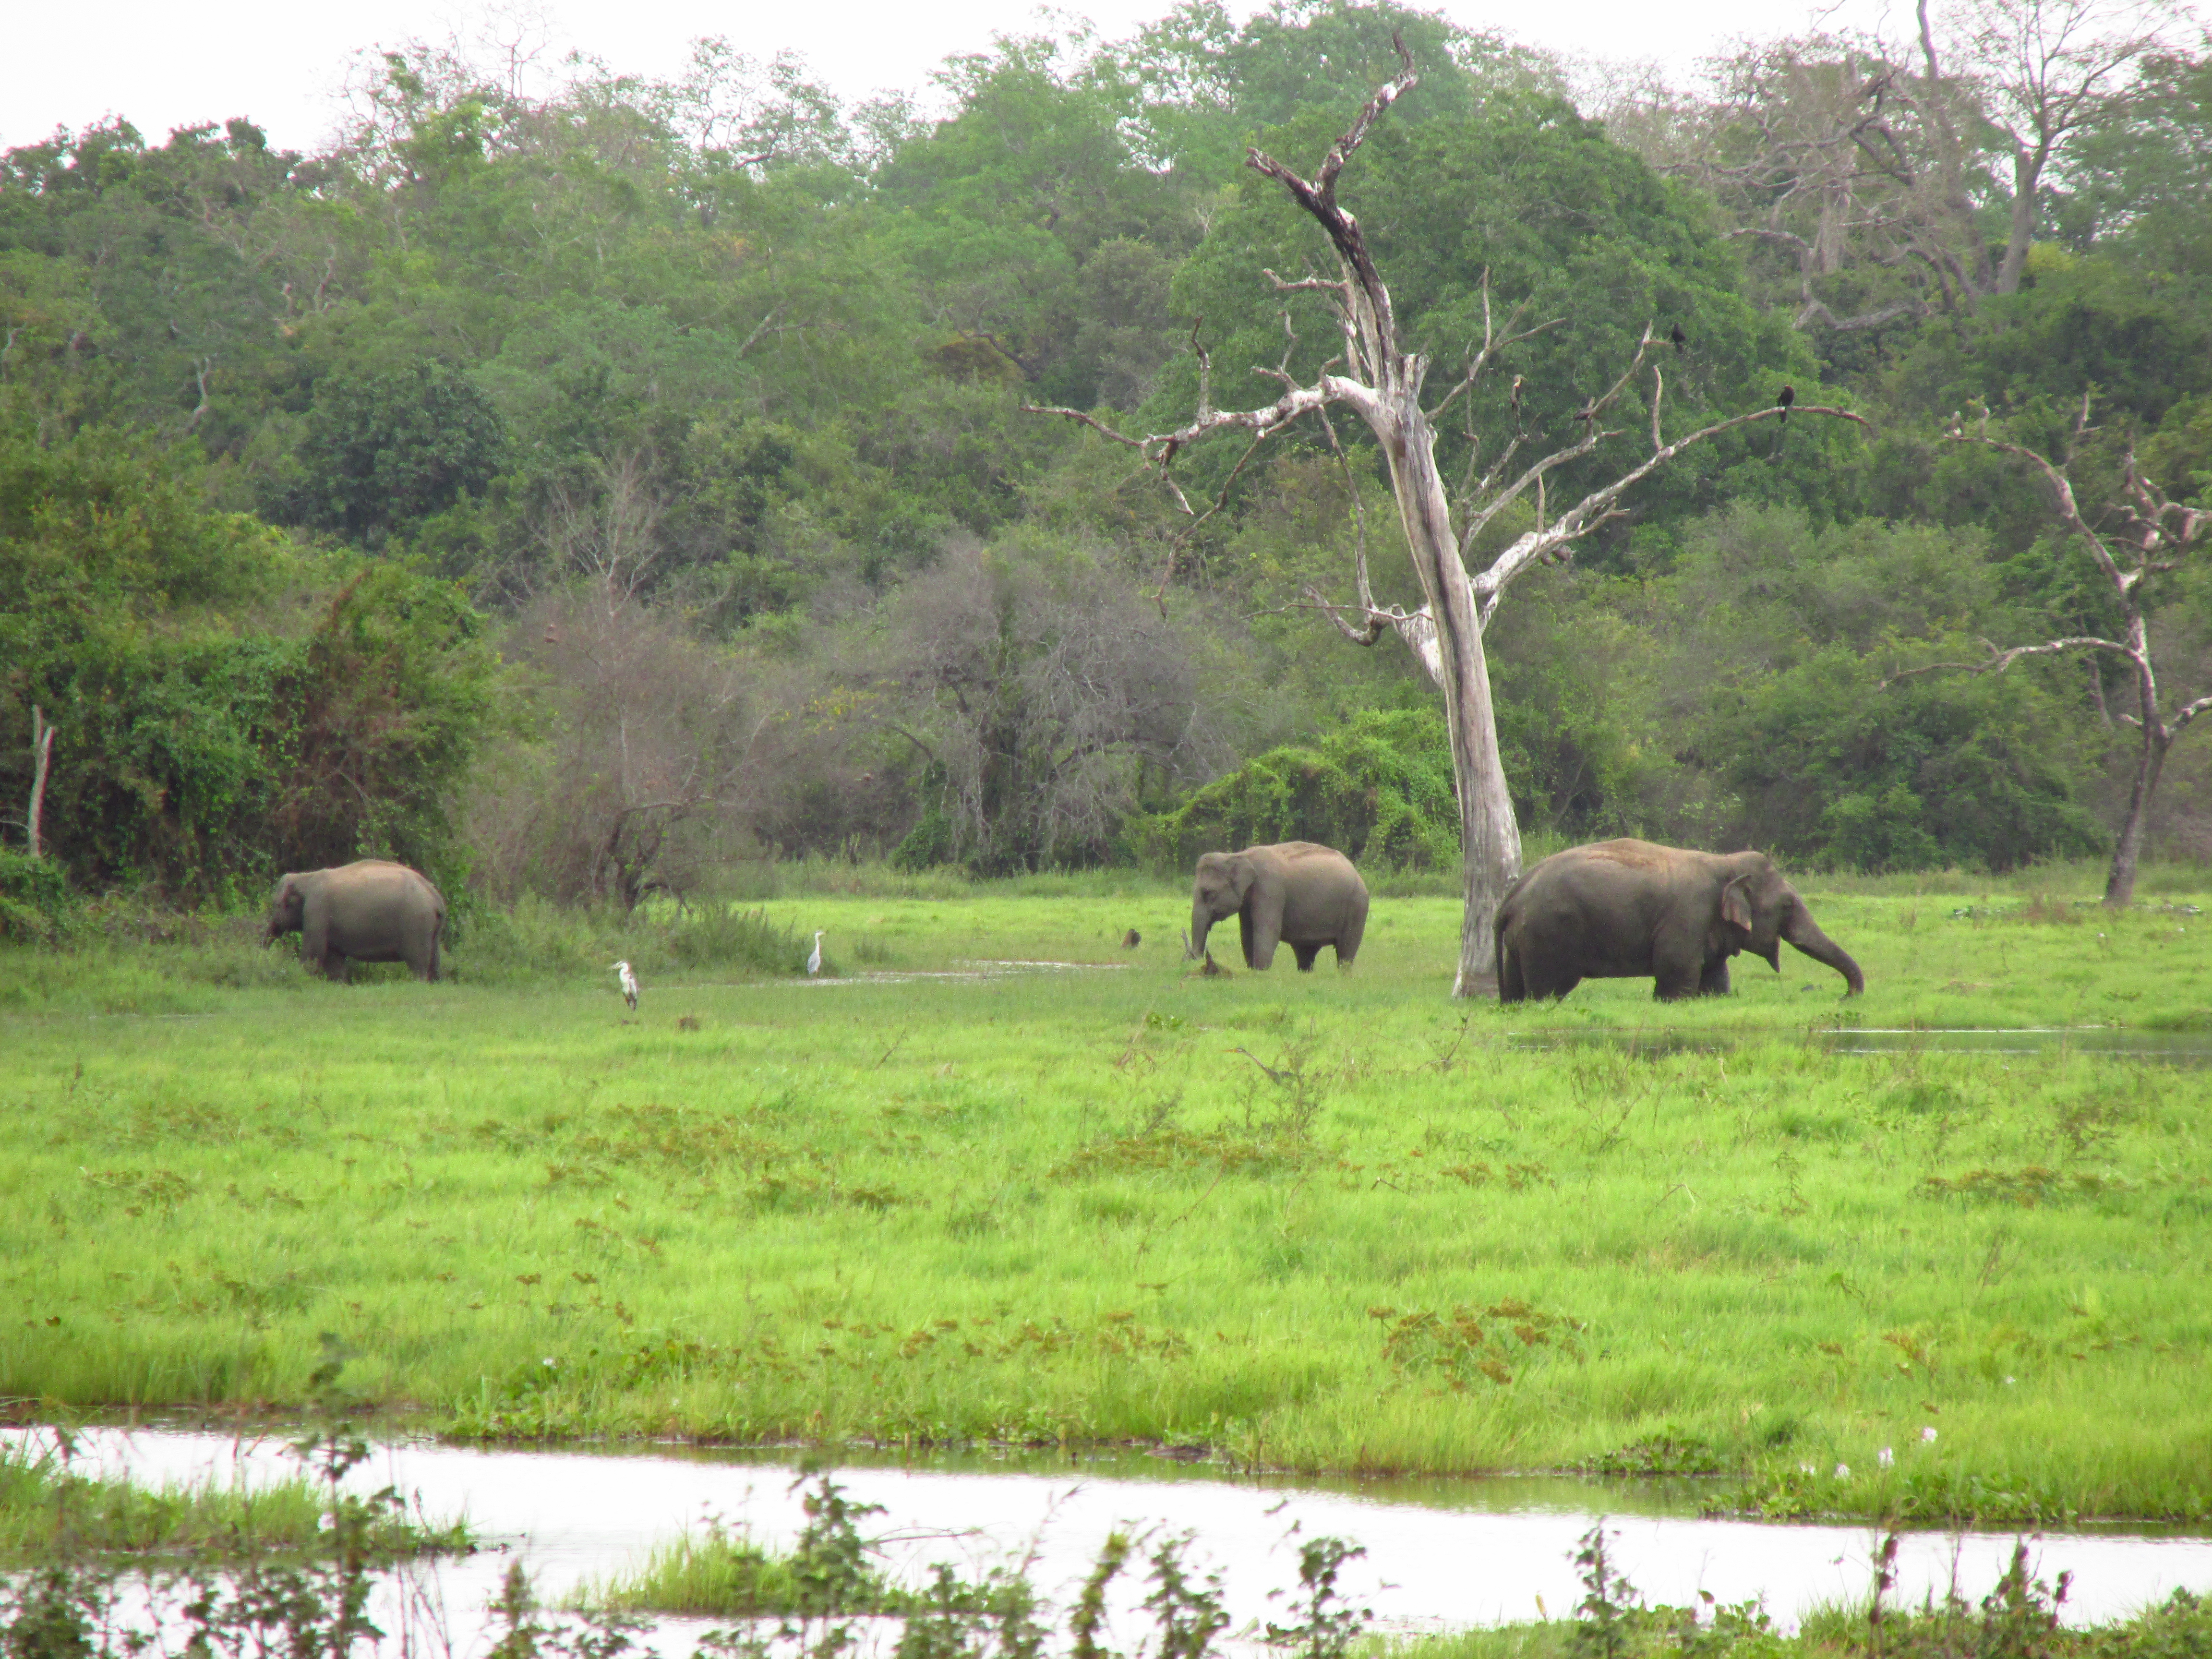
(99, 1567)
(48, 1511)
(1379, 790)
(1316, 1222)
(830, 1573)
(574, 487)
(2017, 1620)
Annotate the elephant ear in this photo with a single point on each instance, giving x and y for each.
(1735, 909)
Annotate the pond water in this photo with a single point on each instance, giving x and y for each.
(1440, 1555)
(2184, 1049)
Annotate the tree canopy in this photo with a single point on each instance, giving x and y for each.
(301, 456)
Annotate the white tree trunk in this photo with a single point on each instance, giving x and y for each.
(1490, 838)
(42, 749)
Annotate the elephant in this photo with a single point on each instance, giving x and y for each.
(1295, 893)
(371, 911)
(1620, 909)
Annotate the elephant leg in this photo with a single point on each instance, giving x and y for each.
(1532, 978)
(1349, 935)
(1306, 953)
(1262, 933)
(1509, 987)
(1715, 980)
(1678, 961)
(337, 966)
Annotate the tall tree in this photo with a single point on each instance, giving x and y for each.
(1383, 381)
(1855, 158)
(2146, 537)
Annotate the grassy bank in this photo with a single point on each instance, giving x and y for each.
(49, 1511)
(2015, 1624)
(1314, 1221)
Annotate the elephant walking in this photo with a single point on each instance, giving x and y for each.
(1620, 909)
(1294, 893)
(371, 911)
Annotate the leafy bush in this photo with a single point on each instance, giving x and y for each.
(1943, 770)
(1378, 790)
(205, 738)
(36, 905)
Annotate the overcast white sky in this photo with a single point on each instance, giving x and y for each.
(281, 62)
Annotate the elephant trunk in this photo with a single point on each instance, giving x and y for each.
(1805, 934)
(1195, 940)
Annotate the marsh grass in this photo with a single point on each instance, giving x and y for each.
(1127, 1204)
(48, 1511)
(2019, 1618)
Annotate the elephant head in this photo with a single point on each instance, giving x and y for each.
(1759, 910)
(288, 910)
(1224, 879)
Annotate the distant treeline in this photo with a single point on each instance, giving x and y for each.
(570, 488)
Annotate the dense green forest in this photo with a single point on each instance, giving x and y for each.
(572, 491)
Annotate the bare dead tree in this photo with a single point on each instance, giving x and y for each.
(650, 741)
(1841, 152)
(2150, 535)
(605, 527)
(1037, 702)
(2048, 67)
(1383, 381)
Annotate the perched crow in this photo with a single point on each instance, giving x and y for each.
(1681, 340)
(1787, 397)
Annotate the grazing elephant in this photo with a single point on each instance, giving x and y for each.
(372, 911)
(1296, 894)
(1620, 910)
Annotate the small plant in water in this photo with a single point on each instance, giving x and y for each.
(1327, 1625)
(1606, 1612)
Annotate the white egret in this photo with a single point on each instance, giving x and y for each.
(628, 984)
(814, 961)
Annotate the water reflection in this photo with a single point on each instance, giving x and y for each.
(1440, 1554)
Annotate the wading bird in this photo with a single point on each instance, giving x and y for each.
(629, 982)
(814, 960)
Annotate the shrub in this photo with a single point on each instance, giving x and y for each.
(36, 905)
(1379, 790)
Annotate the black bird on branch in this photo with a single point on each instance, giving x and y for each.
(1786, 397)
(1588, 411)
(1681, 340)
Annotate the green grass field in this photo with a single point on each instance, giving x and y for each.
(1319, 1222)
